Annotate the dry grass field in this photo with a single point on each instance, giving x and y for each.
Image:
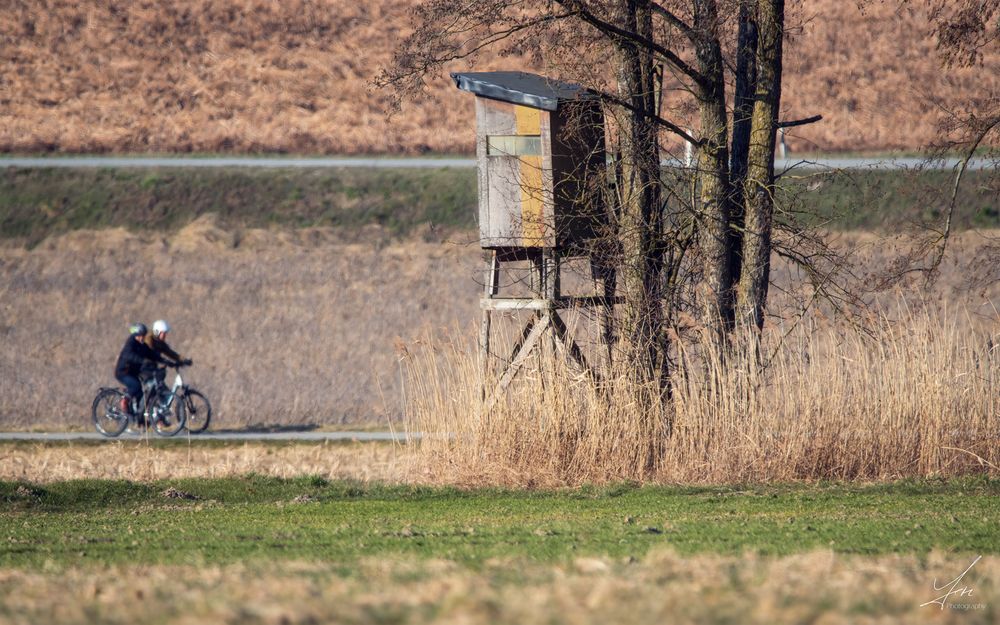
(662, 587)
(289, 328)
(258, 76)
(300, 327)
(145, 462)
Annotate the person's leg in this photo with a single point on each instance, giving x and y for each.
(161, 379)
(133, 390)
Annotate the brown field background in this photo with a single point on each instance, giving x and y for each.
(661, 587)
(293, 76)
(290, 327)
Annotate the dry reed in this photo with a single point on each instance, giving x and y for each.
(917, 397)
(662, 587)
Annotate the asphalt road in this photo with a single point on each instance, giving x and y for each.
(425, 163)
(214, 436)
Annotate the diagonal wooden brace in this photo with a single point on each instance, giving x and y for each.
(522, 349)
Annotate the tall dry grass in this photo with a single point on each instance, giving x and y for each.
(918, 396)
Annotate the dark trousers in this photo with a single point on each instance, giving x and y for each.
(132, 385)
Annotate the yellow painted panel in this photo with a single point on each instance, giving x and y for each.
(532, 212)
(529, 120)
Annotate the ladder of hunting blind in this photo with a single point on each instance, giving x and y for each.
(545, 303)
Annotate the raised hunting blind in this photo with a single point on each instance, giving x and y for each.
(542, 178)
(540, 150)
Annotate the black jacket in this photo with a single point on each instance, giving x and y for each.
(161, 347)
(132, 357)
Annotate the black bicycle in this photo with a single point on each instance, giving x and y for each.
(166, 410)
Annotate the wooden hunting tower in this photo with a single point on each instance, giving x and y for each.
(540, 149)
(542, 174)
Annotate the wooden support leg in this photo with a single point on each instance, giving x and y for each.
(492, 282)
(491, 286)
(539, 263)
(484, 350)
(608, 278)
(549, 269)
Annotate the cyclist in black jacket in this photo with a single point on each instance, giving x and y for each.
(134, 354)
(157, 341)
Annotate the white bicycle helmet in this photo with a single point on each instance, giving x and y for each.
(160, 326)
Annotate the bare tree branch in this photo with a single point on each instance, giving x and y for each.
(454, 30)
(672, 127)
(800, 122)
(987, 127)
(674, 21)
(635, 38)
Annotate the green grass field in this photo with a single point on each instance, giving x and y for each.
(306, 550)
(38, 202)
(35, 203)
(267, 519)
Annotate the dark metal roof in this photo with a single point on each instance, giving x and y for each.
(521, 88)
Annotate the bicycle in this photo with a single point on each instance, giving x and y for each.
(168, 410)
(192, 408)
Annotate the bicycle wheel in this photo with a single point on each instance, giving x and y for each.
(197, 411)
(109, 419)
(170, 421)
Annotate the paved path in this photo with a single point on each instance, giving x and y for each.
(214, 436)
(236, 161)
(425, 163)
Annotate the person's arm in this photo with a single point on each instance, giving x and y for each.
(149, 353)
(170, 353)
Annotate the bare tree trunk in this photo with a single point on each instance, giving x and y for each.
(758, 189)
(713, 172)
(640, 219)
(746, 84)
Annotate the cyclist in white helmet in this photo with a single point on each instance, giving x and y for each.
(157, 341)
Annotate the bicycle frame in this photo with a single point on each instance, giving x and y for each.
(177, 386)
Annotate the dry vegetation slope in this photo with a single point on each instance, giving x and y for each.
(288, 327)
(261, 76)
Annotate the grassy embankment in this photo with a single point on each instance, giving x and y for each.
(309, 518)
(36, 203)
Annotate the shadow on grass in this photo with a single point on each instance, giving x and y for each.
(268, 429)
